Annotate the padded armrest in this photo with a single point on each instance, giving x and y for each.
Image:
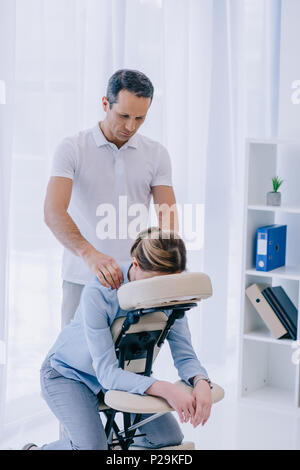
(133, 403)
(165, 290)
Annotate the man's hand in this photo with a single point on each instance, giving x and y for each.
(202, 403)
(105, 267)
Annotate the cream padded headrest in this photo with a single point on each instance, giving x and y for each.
(165, 290)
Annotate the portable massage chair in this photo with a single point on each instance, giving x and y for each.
(138, 338)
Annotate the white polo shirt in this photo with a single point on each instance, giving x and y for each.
(107, 181)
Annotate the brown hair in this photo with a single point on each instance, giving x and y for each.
(159, 250)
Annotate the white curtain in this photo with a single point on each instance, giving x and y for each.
(204, 58)
(7, 65)
(243, 103)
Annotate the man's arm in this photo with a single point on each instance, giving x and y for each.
(56, 217)
(165, 207)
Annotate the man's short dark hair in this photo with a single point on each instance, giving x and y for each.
(131, 80)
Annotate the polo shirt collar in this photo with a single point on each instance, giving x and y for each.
(101, 140)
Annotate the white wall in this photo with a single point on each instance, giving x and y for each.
(289, 113)
(289, 118)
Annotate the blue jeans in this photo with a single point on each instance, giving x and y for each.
(76, 407)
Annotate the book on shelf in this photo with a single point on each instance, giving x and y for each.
(275, 309)
(283, 307)
(265, 311)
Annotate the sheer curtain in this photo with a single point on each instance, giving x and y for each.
(7, 64)
(204, 58)
(243, 103)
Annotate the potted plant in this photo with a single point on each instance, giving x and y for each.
(274, 197)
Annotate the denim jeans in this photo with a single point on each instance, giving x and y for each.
(76, 407)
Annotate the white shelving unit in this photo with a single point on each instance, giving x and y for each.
(267, 374)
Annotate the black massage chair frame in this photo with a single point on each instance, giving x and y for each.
(131, 346)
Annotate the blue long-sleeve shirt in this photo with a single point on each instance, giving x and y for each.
(85, 350)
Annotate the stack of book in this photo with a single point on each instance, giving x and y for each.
(275, 308)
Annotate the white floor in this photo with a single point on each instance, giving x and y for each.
(243, 425)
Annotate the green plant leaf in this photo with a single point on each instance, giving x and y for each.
(277, 182)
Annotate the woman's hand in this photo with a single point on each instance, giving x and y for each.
(179, 399)
(202, 403)
(182, 402)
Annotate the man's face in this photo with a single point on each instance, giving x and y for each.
(126, 116)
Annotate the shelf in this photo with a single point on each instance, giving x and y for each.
(265, 336)
(285, 272)
(273, 396)
(267, 373)
(274, 141)
(260, 207)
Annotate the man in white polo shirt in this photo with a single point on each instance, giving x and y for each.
(95, 170)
